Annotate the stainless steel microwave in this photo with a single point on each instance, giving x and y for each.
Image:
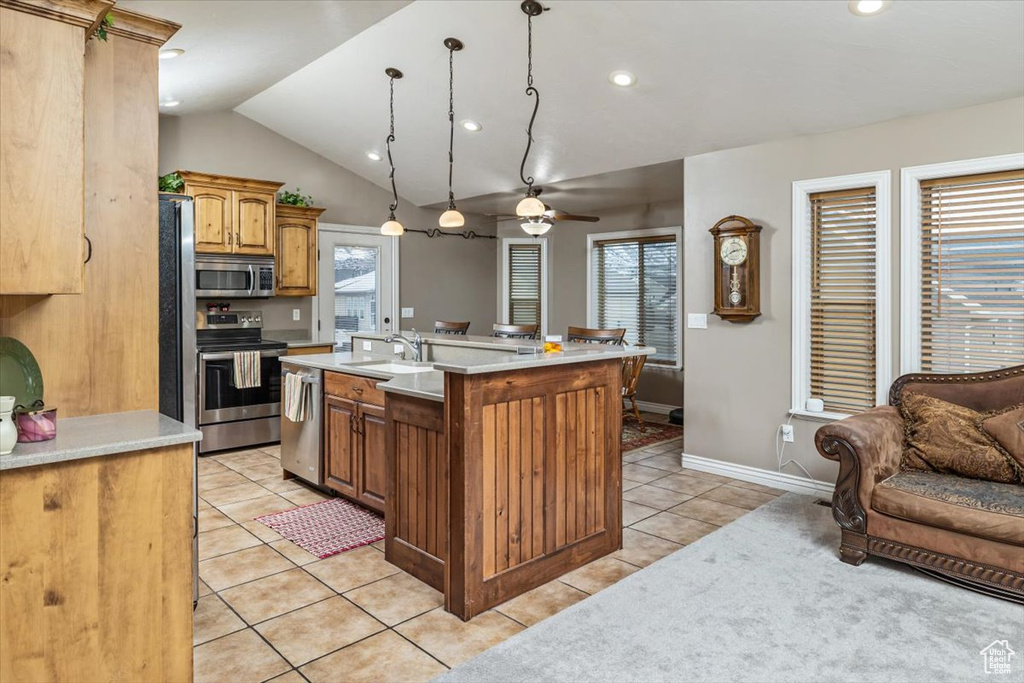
(234, 277)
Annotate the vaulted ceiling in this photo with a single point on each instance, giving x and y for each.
(712, 75)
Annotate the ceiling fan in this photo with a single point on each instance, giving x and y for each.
(548, 218)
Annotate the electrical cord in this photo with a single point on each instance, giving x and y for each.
(780, 449)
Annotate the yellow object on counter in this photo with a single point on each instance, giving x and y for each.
(553, 343)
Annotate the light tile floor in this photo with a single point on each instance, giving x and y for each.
(268, 610)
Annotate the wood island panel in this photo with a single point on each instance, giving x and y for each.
(528, 466)
(96, 560)
(416, 504)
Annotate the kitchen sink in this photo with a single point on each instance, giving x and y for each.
(394, 368)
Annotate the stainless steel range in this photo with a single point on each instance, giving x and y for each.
(230, 417)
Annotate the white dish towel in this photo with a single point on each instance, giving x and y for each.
(298, 398)
(247, 369)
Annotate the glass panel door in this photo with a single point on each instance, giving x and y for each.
(356, 284)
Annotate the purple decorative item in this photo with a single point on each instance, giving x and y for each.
(38, 423)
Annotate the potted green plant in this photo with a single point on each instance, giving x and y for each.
(294, 198)
(172, 182)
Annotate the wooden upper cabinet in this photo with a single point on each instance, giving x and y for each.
(232, 215)
(42, 154)
(254, 223)
(213, 219)
(296, 250)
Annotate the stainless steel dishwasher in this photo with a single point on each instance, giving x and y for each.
(302, 442)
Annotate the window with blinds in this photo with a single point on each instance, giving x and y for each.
(524, 285)
(635, 286)
(972, 272)
(843, 299)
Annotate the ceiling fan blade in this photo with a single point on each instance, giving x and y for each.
(563, 216)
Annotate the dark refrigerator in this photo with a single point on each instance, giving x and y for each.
(177, 333)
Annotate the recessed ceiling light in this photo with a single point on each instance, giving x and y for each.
(171, 53)
(170, 103)
(471, 126)
(373, 156)
(865, 8)
(622, 78)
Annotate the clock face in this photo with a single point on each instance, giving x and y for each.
(733, 251)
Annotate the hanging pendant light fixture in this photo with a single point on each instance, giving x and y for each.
(530, 208)
(451, 218)
(391, 226)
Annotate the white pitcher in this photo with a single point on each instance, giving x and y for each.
(8, 432)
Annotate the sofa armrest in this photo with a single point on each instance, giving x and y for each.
(868, 448)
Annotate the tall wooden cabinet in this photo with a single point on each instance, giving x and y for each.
(354, 433)
(297, 250)
(42, 152)
(96, 351)
(233, 215)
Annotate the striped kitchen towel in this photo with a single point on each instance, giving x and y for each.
(297, 398)
(247, 369)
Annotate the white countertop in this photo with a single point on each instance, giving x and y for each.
(98, 435)
(295, 339)
(430, 384)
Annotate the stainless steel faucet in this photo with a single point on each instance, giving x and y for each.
(416, 345)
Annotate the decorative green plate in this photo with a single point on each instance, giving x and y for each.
(19, 373)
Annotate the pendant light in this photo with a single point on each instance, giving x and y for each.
(530, 207)
(451, 218)
(391, 226)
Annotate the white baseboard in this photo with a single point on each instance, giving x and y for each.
(756, 475)
(657, 408)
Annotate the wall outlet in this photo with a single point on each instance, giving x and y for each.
(408, 312)
(367, 345)
(296, 314)
(787, 433)
(697, 321)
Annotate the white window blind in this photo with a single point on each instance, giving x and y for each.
(843, 324)
(524, 284)
(972, 272)
(635, 287)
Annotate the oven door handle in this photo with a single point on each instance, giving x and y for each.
(252, 280)
(227, 355)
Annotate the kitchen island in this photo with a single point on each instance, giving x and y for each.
(503, 466)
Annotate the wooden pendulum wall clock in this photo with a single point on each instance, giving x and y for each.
(737, 269)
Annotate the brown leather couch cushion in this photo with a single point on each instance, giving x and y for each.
(971, 506)
(1008, 430)
(945, 437)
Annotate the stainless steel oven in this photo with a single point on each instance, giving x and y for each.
(229, 416)
(234, 277)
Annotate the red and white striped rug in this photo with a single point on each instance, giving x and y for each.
(328, 527)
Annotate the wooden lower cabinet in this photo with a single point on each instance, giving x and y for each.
(354, 453)
(96, 567)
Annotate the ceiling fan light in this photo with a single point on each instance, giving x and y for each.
(535, 226)
(451, 219)
(392, 228)
(529, 207)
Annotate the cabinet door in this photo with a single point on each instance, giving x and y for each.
(213, 218)
(373, 472)
(254, 223)
(296, 257)
(340, 445)
(42, 73)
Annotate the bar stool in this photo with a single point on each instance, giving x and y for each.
(586, 335)
(443, 327)
(514, 331)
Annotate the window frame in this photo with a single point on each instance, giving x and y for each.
(801, 290)
(673, 231)
(910, 241)
(507, 242)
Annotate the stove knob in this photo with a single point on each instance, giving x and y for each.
(257, 318)
(246, 319)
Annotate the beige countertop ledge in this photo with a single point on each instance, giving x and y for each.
(430, 384)
(99, 435)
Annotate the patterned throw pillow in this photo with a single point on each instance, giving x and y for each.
(943, 437)
(1007, 429)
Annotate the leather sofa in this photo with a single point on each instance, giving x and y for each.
(966, 531)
